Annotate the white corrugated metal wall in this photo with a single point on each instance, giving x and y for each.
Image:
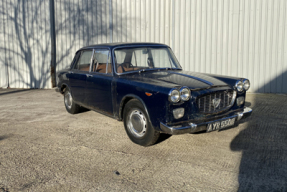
(245, 38)
(25, 44)
(79, 23)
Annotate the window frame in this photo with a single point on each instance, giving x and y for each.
(75, 60)
(78, 58)
(109, 57)
(170, 52)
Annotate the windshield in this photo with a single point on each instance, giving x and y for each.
(144, 58)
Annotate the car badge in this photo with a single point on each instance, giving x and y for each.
(216, 102)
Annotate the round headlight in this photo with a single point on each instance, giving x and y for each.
(239, 85)
(174, 95)
(184, 93)
(246, 84)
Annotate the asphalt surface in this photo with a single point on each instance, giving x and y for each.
(44, 148)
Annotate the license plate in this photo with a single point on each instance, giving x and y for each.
(220, 124)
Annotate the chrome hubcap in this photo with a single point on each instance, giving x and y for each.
(68, 100)
(137, 123)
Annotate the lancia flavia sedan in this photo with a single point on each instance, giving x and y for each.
(143, 85)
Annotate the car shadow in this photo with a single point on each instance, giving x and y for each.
(11, 91)
(83, 110)
(162, 138)
(247, 104)
(5, 136)
(262, 141)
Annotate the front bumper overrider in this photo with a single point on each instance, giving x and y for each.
(192, 127)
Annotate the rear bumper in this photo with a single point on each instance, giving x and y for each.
(192, 127)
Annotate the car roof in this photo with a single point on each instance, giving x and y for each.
(115, 45)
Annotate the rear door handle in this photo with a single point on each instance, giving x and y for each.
(88, 75)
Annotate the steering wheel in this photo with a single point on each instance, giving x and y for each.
(128, 65)
(125, 65)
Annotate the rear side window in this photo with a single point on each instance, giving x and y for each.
(83, 63)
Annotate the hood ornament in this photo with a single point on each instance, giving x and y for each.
(216, 102)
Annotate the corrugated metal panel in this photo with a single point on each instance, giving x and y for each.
(142, 21)
(245, 38)
(24, 45)
(3, 63)
(79, 23)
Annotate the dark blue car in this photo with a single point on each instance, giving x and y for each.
(144, 85)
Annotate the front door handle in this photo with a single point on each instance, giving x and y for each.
(88, 75)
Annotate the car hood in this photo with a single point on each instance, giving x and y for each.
(173, 78)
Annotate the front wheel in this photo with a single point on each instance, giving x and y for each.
(137, 124)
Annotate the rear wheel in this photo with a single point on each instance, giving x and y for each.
(137, 124)
(70, 105)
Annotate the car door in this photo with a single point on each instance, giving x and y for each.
(99, 82)
(78, 76)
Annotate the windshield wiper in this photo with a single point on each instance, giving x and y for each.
(169, 68)
(144, 70)
(154, 69)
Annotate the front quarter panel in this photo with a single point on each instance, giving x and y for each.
(156, 104)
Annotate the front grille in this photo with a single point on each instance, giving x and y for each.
(206, 103)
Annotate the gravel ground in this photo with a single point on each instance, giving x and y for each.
(44, 148)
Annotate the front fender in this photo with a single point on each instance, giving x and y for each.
(155, 105)
(125, 99)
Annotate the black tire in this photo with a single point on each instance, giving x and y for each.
(137, 124)
(70, 105)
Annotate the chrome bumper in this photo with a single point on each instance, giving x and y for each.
(192, 128)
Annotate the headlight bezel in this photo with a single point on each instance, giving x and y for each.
(245, 82)
(170, 95)
(179, 91)
(238, 84)
(184, 88)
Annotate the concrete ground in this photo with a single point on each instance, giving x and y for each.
(44, 148)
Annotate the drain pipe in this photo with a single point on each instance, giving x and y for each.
(53, 43)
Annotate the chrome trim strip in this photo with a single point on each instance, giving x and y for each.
(92, 59)
(201, 126)
(233, 99)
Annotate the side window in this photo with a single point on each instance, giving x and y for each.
(102, 61)
(83, 63)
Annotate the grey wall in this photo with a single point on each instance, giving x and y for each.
(25, 44)
(245, 38)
